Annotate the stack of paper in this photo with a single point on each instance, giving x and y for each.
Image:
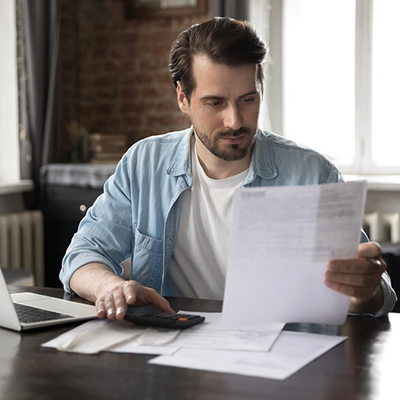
(291, 352)
(281, 242)
(261, 350)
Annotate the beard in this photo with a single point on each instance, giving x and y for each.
(235, 152)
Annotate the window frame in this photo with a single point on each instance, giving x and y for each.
(363, 161)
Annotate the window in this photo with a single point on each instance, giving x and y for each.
(339, 80)
(318, 77)
(9, 152)
(386, 84)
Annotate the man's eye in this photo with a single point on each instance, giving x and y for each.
(248, 100)
(214, 103)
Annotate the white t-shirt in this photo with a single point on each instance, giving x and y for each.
(198, 265)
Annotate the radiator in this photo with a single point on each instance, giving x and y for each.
(382, 227)
(22, 243)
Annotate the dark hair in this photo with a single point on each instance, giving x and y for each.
(224, 40)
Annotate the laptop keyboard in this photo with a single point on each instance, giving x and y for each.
(28, 314)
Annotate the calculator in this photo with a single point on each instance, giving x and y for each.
(166, 320)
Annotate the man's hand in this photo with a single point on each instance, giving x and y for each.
(359, 278)
(112, 294)
(114, 298)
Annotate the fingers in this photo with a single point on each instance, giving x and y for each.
(113, 302)
(360, 277)
(164, 306)
(101, 309)
(369, 250)
(359, 286)
(161, 303)
(112, 306)
(151, 296)
(354, 267)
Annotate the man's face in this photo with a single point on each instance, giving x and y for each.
(224, 107)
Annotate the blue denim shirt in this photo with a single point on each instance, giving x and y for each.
(138, 214)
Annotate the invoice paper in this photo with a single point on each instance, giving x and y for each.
(95, 336)
(291, 352)
(124, 337)
(212, 335)
(282, 239)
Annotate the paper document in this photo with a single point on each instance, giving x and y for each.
(104, 335)
(291, 352)
(282, 239)
(157, 336)
(95, 336)
(125, 337)
(212, 335)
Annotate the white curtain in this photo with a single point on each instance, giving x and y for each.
(259, 16)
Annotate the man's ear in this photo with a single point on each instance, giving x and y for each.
(182, 101)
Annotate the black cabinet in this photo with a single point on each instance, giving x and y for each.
(67, 191)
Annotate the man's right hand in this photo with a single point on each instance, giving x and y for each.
(111, 294)
(114, 299)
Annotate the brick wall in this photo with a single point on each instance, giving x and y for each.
(115, 71)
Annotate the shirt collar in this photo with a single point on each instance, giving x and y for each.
(262, 163)
(181, 164)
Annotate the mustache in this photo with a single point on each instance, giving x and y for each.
(232, 132)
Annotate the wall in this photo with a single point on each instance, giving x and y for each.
(386, 201)
(115, 74)
(10, 203)
(115, 71)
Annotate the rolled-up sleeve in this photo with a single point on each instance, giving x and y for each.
(389, 299)
(105, 234)
(389, 296)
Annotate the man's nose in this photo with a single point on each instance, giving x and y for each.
(233, 118)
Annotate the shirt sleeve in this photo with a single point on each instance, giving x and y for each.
(105, 234)
(389, 299)
(389, 294)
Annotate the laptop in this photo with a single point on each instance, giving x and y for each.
(21, 311)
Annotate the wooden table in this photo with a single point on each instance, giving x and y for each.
(363, 367)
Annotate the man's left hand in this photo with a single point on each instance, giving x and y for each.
(359, 278)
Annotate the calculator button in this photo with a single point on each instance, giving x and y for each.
(163, 315)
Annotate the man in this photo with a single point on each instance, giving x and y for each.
(168, 206)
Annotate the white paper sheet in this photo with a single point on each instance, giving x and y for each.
(212, 335)
(135, 348)
(157, 336)
(95, 336)
(282, 239)
(119, 336)
(125, 337)
(291, 352)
